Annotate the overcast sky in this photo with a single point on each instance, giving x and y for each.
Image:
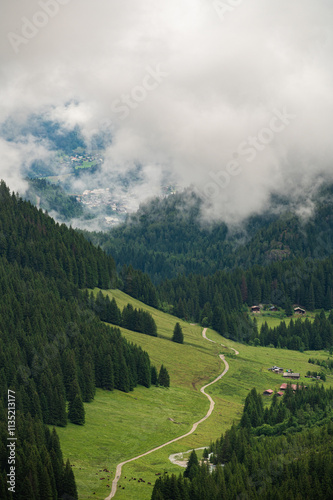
(233, 97)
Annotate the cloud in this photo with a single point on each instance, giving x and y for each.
(224, 75)
(15, 157)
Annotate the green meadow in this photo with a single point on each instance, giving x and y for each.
(85, 164)
(274, 318)
(120, 426)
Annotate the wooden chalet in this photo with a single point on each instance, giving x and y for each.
(275, 369)
(255, 309)
(268, 392)
(293, 376)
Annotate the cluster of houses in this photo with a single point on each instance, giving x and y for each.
(287, 374)
(258, 309)
(79, 159)
(297, 309)
(283, 387)
(93, 198)
(74, 161)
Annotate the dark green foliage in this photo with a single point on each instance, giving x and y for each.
(303, 407)
(76, 412)
(136, 320)
(178, 335)
(39, 468)
(163, 377)
(296, 464)
(53, 198)
(166, 238)
(210, 275)
(300, 334)
(153, 375)
(192, 466)
(327, 364)
(31, 239)
(138, 285)
(288, 308)
(68, 485)
(53, 348)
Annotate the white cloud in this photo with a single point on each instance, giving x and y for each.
(16, 155)
(224, 79)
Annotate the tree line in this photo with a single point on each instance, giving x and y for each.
(212, 275)
(325, 363)
(222, 300)
(53, 349)
(300, 334)
(137, 320)
(294, 463)
(166, 237)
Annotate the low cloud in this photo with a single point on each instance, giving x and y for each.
(16, 157)
(224, 77)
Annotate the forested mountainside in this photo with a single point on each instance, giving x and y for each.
(222, 299)
(167, 236)
(32, 239)
(54, 349)
(282, 451)
(53, 198)
(278, 258)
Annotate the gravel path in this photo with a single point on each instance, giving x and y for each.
(208, 414)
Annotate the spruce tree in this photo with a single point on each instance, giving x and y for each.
(192, 466)
(178, 334)
(153, 375)
(163, 377)
(287, 307)
(69, 490)
(76, 412)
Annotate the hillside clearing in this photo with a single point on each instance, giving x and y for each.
(120, 426)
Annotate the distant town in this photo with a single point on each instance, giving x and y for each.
(119, 205)
(111, 205)
(82, 160)
(98, 198)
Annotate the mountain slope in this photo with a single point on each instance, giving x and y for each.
(167, 237)
(53, 350)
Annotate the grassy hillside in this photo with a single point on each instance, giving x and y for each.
(120, 426)
(274, 318)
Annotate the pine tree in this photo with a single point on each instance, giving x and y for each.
(153, 375)
(69, 490)
(192, 468)
(311, 298)
(76, 413)
(107, 376)
(163, 377)
(178, 334)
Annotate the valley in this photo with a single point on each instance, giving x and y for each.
(166, 250)
(120, 426)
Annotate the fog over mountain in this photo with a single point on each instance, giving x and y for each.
(234, 98)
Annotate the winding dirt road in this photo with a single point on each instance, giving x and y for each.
(205, 337)
(211, 407)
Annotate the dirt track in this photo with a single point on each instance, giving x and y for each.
(211, 407)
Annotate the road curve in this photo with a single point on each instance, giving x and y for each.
(210, 340)
(211, 407)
